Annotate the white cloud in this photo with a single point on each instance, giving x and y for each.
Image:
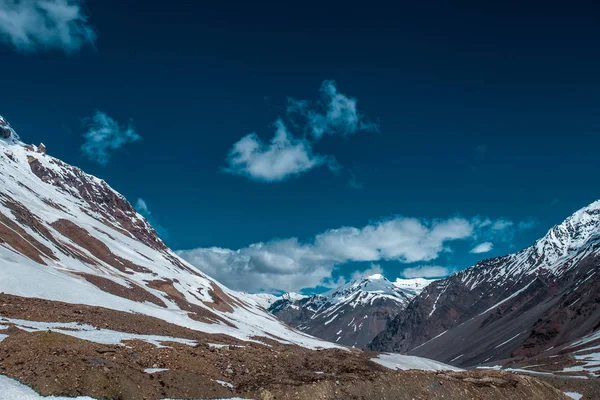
(291, 265)
(105, 135)
(282, 157)
(334, 113)
(501, 230)
(374, 269)
(426, 271)
(141, 206)
(502, 225)
(482, 248)
(290, 153)
(30, 25)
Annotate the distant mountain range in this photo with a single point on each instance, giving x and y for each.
(532, 303)
(351, 314)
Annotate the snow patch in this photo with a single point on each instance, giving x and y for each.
(574, 395)
(402, 362)
(155, 370)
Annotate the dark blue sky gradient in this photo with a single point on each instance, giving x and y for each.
(483, 109)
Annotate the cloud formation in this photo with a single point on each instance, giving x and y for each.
(527, 224)
(290, 151)
(425, 271)
(31, 25)
(282, 157)
(482, 248)
(334, 114)
(104, 135)
(291, 265)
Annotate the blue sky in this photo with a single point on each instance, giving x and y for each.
(294, 146)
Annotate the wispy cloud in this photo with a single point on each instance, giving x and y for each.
(334, 114)
(484, 247)
(501, 230)
(353, 183)
(104, 135)
(142, 207)
(426, 271)
(282, 157)
(290, 151)
(527, 224)
(291, 264)
(31, 25)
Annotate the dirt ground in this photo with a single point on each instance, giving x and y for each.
(54, 363)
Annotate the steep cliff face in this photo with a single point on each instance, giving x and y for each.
(351, 314)
(517, 305)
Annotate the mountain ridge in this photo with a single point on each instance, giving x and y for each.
(352, 313)
(519, 305)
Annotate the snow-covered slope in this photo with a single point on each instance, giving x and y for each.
(413, 286)
(67, 236)
(351, 314)
(262, 299)
(516, 305)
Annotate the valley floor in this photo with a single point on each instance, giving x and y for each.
(74, 350)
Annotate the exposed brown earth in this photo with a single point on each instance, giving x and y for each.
(101, 199)
(57, 364)
(196, 312)
(133, 292)
(45, 310)
(96, 247)
(22, 242)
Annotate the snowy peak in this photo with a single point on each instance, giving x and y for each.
(556, 253)
(293, 296)
(367, 289)
(522, 303)
(412, 286)
(265, 300)
(6, 132)
(352, 313)
(570, 235)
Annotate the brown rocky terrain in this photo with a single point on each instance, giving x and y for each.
(54, 363)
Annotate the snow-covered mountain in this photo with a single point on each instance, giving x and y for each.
(413, 286)
(351, 314)
(522, 304)
(68, 236)
(266, 300)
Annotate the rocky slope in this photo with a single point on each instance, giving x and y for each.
(351, 314)
(536, 301)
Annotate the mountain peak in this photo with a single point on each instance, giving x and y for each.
(6, 132)
(568, 236)
(413, 286)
